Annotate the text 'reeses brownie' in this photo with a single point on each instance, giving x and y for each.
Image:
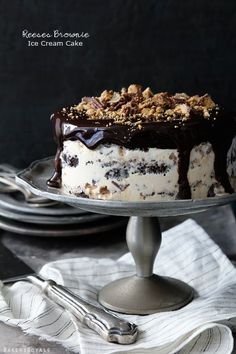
(136, 145)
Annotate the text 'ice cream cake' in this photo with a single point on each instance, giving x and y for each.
(135, 145)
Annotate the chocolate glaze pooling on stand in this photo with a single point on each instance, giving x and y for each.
(179, 135)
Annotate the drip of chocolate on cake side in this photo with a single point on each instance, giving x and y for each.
(136, 118)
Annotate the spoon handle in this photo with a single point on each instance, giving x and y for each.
(109, 327)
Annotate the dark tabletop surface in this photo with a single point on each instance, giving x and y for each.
(219, 223)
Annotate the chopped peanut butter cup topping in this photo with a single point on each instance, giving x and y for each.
(133, 106)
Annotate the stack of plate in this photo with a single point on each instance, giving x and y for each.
(58, 220)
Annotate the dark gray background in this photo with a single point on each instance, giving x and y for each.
(169, 45)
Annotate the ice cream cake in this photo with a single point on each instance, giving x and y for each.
(135, 145)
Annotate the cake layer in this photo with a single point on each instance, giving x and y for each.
(114, 172)
(136, 145)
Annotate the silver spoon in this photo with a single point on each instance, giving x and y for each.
(9, 185)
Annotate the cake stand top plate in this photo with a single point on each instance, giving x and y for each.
(35, 176)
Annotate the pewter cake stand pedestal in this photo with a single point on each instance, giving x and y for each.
(145, 292)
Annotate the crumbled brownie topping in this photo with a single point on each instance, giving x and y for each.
(134, 106)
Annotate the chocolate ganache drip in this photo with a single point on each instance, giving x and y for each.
(139, 119)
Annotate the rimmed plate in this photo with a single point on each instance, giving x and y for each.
(51, 219)
(62, 231)
(16, 202)
(35, 176)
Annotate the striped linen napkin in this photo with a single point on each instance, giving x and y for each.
(187, 253)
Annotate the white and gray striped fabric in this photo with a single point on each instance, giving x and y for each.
(187, 253)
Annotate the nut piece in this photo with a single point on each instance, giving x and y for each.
(135, 89)
(147, 93)
(182, 109)
(106, 95)
(164, 99)
(115, 97)
(180, 97)
(207, 102)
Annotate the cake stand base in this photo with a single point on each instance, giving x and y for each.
(143, 296)
(145, 292)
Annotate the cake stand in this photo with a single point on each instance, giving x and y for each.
(144, 292)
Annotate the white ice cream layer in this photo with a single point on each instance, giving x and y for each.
(114, 172)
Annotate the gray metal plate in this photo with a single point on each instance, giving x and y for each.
(35, 176)
(16, 202)
(61, 231)
(50, 219)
